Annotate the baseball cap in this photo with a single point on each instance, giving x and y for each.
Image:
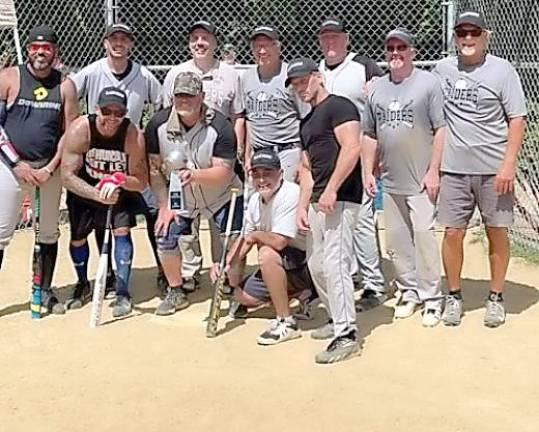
(203, 24)
(265, 158)
(112, 95)
(332, 24)
(187, 83)
(299, 67)
(42, 33)
(265, 30)
(401, 34)
(471, 17)
(114, 28)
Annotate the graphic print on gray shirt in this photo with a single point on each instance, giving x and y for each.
(478, 102)
(272, 111)
(403, 117)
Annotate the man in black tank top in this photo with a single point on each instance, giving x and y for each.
(36, 105)
(104, 158)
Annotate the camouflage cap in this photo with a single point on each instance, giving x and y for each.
(187, 83)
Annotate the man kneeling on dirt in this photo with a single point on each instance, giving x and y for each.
(270, 224)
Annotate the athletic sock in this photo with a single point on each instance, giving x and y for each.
(80, 255)
(49, 252)
(151, 218)
(123, 254)
(456, 294)
(495, 297)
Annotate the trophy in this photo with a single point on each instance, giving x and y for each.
(174, 162)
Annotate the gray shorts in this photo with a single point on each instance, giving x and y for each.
(297, 275)
(460, 193)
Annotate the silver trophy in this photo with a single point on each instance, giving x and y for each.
(175, 161)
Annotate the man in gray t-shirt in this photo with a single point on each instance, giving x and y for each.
(272, 112)
(404, 114)
(485, 110)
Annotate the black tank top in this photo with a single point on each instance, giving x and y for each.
(106, 155)
(34, 119)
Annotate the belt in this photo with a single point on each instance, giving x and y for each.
(279, 148)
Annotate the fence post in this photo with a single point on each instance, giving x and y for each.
(110, 8)
(449, 19)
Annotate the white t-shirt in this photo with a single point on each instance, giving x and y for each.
(221, 87)
(278, 215)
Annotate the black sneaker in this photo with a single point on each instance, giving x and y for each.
(50, 303)
(369, 300)
(162, 284)
(190, 285)
(122, 307)
(237, 311)
(176, 299)
(81, 295)
(340, 348)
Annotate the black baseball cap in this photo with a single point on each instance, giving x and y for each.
(300, 67)
(471, 17)
(401, 34)
(203, 24)
(332, 24)
(265, 158)
(112, 95)
(265, 30)
(115, 28)
(42, 33)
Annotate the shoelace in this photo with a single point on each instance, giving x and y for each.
(495, 308)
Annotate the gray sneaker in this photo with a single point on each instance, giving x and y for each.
(191, 284)
(237, 311)
(369, 300)
(495, 314)
(324, 332)
(122, 307)
(175, 300)
(453, 311)
(50, 303)
(340, 348)
(81, 295)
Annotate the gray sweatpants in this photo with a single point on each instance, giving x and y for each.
(330, 255)
(12, 192)
(367, 252)
(413, 248)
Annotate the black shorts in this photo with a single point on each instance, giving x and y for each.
(86, 215)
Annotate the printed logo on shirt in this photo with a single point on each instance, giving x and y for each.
(100, 162)
(395, 115)
(260, 104)
(461, 92)
(41, 93)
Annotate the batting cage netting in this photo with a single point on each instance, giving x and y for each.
(160, 29)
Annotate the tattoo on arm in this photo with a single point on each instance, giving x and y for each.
(158, 182)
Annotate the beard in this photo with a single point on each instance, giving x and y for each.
(185, 112)
(40, 63)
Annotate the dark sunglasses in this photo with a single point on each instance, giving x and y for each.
(47, 47)
(400, 48)
(462, 33)
(116, 113)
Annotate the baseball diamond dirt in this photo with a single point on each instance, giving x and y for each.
(149, 373)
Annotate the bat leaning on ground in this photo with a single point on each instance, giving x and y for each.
(37, 263)
(218, 291)
(101, 274)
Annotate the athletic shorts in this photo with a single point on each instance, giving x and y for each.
(297, 274)
(460, 193)
(85, 215)
(183, 227)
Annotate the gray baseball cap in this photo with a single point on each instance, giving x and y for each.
(401, 34)
(471, 17)
(187, 83)
(300, 67)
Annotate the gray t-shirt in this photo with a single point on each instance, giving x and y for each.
(272, 110)
(403, 118)
(140, 85)
(478, 102)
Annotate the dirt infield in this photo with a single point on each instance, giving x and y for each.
(148, 373)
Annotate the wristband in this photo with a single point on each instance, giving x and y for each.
(7, 150)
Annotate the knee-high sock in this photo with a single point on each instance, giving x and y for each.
(80, 255)
(49, 253)
(123, 254)
(99, 238)
(1, 257)
(151, 218)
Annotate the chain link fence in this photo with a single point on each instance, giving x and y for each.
(515, 31)
(161, 41)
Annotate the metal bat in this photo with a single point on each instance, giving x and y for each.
(218, 292)
(101, 274)
(37, 263)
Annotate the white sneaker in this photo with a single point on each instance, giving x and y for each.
(404, 310)
(280, 330)
(431, 317)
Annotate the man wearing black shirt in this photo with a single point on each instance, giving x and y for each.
(331, 192)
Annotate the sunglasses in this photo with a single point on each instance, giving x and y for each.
(116, 113)
(462, 33)
(399, 48)
(47, 47)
